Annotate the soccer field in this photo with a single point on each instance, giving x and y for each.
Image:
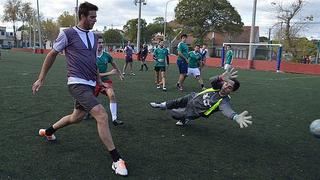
(277, 146)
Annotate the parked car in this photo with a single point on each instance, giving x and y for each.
(119, 50)
(5, 46)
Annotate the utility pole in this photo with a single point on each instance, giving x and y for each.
(76, 14)
(39, 26)
(165, 20)
(34, 30)
(139, 22)
(252, 33)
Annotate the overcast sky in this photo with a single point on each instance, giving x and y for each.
(118, 12)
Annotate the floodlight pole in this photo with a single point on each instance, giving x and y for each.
(139, 22)
(76, 14)
(39, 26)
(252, 32)
(165, 20)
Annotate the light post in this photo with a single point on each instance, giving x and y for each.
(39, 26)
(144, 2)
(165, 20)
(76, 14)
(252, 32)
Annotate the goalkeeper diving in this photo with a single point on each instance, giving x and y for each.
(205, 103)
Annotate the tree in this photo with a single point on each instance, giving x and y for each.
(66, 20)
(50, 29)
(130, 29)
(154, 28)
(304, 47)
(113, 36)
(264, 39)
(158, 20)
(286, 14)
(206, 16)
(11, 14)
(25, 15)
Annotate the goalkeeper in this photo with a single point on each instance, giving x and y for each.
(205, 103)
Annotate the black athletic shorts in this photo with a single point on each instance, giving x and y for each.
(160, 68)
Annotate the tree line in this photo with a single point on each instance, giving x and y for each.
(192, 17)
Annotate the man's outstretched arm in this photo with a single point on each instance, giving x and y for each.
(49, 60)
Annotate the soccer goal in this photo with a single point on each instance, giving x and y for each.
(260, 51)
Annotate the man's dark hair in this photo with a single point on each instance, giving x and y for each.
(197, 45)
(229, 45)
(183, 35)
(85, 7)
(236, 84)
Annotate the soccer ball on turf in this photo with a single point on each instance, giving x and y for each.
(315, 128)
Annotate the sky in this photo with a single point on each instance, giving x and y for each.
(115, 13)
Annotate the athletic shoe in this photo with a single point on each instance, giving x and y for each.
(164, 89)
(123, 73)
(158, 86)
(119, 168)
(182, 122)
(117, 122)
(133, 74)
(179, 87)
(42, 132)
(157, 105)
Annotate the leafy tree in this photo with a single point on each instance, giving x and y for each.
(130, 29)
(263, 39)
(158, 20)
(11, 14)
(113, 36)
(204, 16)
(25, 14)
(304, 47)
(66, 20)
(286, 13)
(50, 29)
(156, 27)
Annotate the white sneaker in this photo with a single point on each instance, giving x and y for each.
(179, 123)
(182, 122)
(42, 132)
(119, 167)
(157, 105)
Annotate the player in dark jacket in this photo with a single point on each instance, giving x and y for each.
(205, 103)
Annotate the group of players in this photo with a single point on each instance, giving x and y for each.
(88, 75)
(189, 63)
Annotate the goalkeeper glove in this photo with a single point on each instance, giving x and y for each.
(229, 74)
(242, 119)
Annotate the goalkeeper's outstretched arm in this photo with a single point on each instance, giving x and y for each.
(243, 119)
